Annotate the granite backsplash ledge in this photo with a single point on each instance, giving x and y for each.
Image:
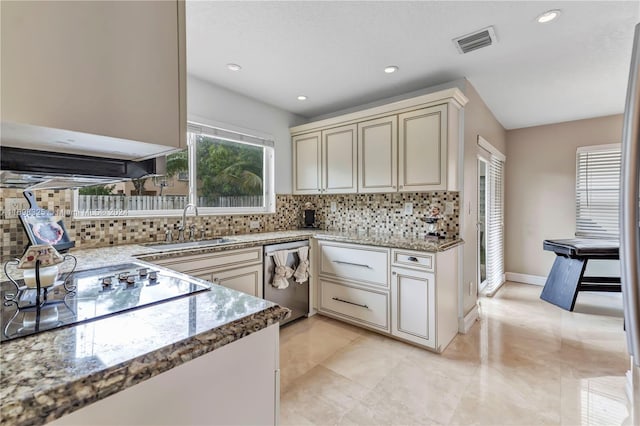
(373, 213)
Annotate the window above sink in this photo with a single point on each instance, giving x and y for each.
(221, 172)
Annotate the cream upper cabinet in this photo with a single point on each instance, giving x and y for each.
(422, 149)
(410, 145)
(307, 155)
(107, 74)
(340, 160)
(378, 155)
(326, 162)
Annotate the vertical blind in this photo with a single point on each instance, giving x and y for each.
(598, 191)
(495, 226)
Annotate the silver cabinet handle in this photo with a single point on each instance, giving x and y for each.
(353, 264)
(351, 303)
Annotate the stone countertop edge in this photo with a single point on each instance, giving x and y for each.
(251, 240)
(56, 401)
(111, 255)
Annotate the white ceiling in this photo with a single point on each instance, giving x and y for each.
(334, 52)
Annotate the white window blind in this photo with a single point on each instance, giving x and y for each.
(495, 226)
(598, 191)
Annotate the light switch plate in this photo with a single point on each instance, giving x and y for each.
(254, 224)
(408, 208)
(448, 208)
(334, 207)
(13, 206)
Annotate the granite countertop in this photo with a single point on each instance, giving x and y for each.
(48, 375)
(105, 256)
(51, 374)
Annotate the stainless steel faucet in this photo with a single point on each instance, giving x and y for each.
(183, 224)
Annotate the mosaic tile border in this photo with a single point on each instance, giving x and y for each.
(372, 213)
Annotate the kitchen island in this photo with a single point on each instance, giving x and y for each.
(91, 366)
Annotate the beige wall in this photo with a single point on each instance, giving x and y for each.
(540, 187)
(478, 120)
(220, 107)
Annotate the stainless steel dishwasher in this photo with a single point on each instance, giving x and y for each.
(296, 295)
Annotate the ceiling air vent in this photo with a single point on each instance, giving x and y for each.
(476, 40)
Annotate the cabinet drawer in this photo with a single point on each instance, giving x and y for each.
(413, 259)
(357, 263)
(193, 264)
(367, 307)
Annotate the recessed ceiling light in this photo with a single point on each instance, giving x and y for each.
(302, 98)
(391, 69)
(234, 67)
(548, 16)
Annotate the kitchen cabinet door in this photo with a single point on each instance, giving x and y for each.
(307, 163)
(413, 306)
(422, 150)
(114, 69)
(247, 279)
(340, 160)
(378, 155)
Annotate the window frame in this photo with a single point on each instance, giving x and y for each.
(194, 130)
(582, 232)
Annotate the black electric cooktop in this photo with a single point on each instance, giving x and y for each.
(89, 295)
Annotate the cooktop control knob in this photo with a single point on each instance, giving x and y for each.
(106, 281)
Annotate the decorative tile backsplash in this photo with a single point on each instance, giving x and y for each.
(383, 213)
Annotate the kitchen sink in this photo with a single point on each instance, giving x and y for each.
(188, 244)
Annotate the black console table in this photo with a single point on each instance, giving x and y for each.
(567, 278)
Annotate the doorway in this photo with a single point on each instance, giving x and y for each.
(483, 168)
(490, 218)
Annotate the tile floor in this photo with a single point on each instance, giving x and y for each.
(526, 362)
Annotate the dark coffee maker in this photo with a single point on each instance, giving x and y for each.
(309, 218)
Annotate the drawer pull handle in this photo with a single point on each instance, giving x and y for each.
(351, 303)
(412, 259)
(353, 264)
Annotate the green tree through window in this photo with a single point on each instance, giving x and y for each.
(228, 168)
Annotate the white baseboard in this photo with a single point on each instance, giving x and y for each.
(467, 322)
(526, 278)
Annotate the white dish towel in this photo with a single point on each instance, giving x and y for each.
(282, 271)
(302, 271)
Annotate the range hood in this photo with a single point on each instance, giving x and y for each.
(25, 168)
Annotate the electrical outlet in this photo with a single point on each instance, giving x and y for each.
(13, 206)
(448, 208)
(470, 288)
(334, 207)
(254, 224)
(408, 208)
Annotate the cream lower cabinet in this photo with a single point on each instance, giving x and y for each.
(407, 294)
(413, 306)
(424, 297)
(240, 270)
(247, 279)
(353, 284)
